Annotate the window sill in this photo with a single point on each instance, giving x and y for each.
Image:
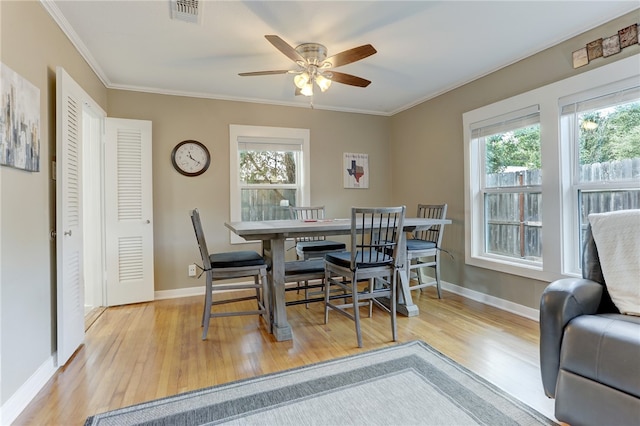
(528, 270)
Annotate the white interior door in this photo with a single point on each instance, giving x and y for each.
(128, 212)
(71, 100)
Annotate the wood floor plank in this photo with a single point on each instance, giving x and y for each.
(141, 352)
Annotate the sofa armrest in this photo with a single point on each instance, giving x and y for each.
(562, 301)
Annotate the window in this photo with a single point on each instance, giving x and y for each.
(510, 183)
(603, 133)
(537, 164)
(269, 171)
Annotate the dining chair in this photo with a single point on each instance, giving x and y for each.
(375, 234)
(309, 275)
(228, 265)
(312, 247)
(425, 246)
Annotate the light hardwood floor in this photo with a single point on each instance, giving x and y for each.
(141, 352)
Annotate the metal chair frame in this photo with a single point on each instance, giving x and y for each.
(416, 258)
(260, 283)
(310, 213)
(375, 234)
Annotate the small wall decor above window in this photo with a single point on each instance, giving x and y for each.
(19, 122)
(604, 47)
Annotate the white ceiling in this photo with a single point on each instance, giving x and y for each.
(425, 48)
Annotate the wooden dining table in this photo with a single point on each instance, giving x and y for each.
(274, 233)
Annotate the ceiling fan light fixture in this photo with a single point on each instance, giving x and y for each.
(314, 65)
(301, 80)
(307, 89)
(323, 82)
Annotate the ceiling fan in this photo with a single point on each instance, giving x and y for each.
(315, 66)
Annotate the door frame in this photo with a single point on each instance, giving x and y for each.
(93, 133)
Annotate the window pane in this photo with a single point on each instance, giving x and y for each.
(609, 143)
(265, 204)
(268, 167)
(512, 158)
(513, 224)
(602, 202)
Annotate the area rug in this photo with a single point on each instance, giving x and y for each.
(406, 384)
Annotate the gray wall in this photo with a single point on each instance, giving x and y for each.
(32, 45)
(178, 118)
(428, 151)
(407, 152)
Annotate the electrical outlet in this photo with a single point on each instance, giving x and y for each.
(192, 270)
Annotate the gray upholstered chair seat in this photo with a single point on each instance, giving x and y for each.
(416, 244)
(364, 259)
(235, 259)
(310, 247)
(303, 267)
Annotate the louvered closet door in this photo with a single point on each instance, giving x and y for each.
(70, 279)
(128, 212)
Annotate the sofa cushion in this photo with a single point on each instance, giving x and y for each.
(604, 348)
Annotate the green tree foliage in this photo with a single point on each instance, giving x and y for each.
(267, 167)
(518, 148)
(610, 135)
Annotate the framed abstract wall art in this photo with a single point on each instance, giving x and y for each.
(19, 121)
(356, 170)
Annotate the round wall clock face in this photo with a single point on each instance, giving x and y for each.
(191, 158)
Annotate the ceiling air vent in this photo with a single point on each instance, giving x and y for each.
(186, 10)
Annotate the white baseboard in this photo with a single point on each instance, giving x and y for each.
(505, 305)
(180, 292)
(11, 409)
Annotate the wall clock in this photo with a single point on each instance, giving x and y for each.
(190, 158)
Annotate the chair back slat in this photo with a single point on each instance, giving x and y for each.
(431, 211)
(307, 213)
(375, 234)
(202, 244)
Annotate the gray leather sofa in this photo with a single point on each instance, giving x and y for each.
(589, 352)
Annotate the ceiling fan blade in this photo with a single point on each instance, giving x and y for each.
(352, 80)
(285, 48)
(351, 55)
(249, 74)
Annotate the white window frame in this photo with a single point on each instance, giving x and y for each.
(572, 186)
(558, 216)
(266, 135)
(502, 123)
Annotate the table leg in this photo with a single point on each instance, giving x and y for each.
(405, 302)
(405, 305)
(281, 328)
